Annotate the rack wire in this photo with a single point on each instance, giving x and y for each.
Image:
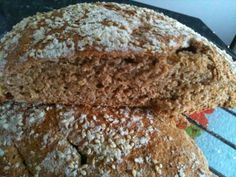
(215, 135)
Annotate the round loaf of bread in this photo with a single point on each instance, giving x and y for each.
(115, 55)
(94, 141)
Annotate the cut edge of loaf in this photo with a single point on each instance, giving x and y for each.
(126, 60)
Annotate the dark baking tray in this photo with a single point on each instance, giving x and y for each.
(12, 11)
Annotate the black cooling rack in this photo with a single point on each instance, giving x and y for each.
(12, 11)
(225, 141)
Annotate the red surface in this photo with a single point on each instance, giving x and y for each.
(201, 117)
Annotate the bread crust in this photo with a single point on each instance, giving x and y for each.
(96, 141)
(114, 55)
(106, 56)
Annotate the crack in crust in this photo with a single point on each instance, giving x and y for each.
(94, 141)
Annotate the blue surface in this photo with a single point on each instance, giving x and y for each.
(219, 155)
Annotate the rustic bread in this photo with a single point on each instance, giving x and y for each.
(95, 141)
(114, 55)
(11, 163)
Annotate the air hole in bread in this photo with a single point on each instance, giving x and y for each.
(83, 159)
(174, 97)
(129, 61)
(9, 96)
(191, 48)
(14, 156)
(211, 67)
(155, 61)
(99, 85)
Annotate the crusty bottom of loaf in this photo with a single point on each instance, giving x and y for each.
(93, 141)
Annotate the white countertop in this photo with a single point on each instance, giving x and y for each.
(219, 15)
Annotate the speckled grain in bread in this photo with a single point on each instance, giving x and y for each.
(115, 55)
(95, 142)
(11, 163)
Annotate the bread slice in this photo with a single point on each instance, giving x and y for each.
(57, 140)
(114, 55)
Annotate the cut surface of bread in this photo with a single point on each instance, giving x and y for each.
(94, 141)
(114, 55)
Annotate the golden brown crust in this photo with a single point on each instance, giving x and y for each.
(98, 141)
(11, 163)
(106, 54)
(126, 56)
